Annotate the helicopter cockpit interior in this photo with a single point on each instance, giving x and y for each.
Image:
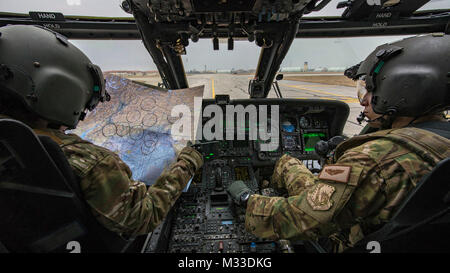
(205, 219)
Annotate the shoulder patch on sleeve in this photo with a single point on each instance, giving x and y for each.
(336, 173)
(319, 197)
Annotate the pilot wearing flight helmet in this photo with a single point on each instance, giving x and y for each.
(49, 84)
(404, 88)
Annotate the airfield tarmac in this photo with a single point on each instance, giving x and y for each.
(237, 87)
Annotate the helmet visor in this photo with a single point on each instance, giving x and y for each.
(361, 90)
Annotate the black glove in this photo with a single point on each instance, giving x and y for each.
(324, 148)
(239, 192)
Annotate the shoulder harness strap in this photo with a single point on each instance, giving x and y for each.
(49, 134)
(60, 138)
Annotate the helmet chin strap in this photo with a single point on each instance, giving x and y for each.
(385, 123)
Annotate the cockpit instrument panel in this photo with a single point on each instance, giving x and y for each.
(205, 219)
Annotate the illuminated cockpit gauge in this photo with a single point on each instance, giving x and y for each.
(288, 125)
(304, 122)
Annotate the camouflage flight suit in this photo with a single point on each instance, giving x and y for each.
(118, 202)
(351, 198)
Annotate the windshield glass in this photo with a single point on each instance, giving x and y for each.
(305, 56)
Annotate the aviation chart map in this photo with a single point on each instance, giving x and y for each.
(136, 124)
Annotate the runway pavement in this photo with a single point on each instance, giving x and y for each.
(237, 87)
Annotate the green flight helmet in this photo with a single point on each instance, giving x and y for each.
(409, 77)
(52, 77)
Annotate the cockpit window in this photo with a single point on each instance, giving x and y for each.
(436, 4)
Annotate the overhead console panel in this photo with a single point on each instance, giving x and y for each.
(168, 26)
(221, 6)
(186, 10)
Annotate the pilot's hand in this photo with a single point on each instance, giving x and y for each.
(239, 192)
(195, 146)
(191, 155)
(326, 149)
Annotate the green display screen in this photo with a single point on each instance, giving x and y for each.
(311, 139)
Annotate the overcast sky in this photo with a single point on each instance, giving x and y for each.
(131, 55)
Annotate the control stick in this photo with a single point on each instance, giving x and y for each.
(218, 196)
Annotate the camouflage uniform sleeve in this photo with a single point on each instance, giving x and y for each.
(290, 174)
(309, 213)
(128, 207)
